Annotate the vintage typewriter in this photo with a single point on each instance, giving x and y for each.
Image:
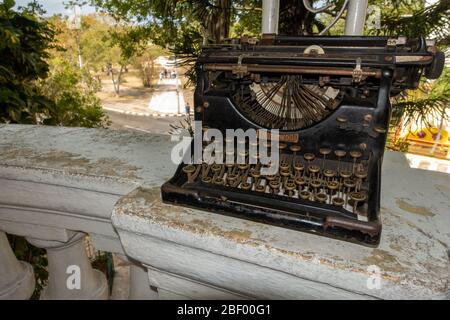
(329, 97)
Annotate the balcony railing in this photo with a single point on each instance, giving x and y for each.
(59, 184)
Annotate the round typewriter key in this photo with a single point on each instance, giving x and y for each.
(355, 154)
(229, 165)
(345, 174)
(333, 185)
(316, 183)
(340, 153)
(260, 188)
(284, 166)
(243, 166)
(368, 117)
(380, 129)
(295, 148)
(206, 179)
(324, 151)
(313, 169)
(305, 195)
(298, 166)
(285, 173)
(329, 173)
(321, 197)
(338, 201)
(290, 186)
(218, 181)
(349, 183)
(189, 170)
(271, 177)
(300, 181)
(282, 146)
(361, 174)
(357, 197)
(275, 186)
(216, 167)
(309, 156)
(342, 119)
(255, 173)
(246, 186)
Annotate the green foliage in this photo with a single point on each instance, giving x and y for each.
(73, 92)
(430, 106)
(29, 93)
(23, 53)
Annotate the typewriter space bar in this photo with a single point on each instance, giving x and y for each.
(271, 202)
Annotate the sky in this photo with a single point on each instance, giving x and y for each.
(55, 6)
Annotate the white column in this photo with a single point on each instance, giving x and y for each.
(16, 277)
(140, 285)
(71, 275)
(356, 17)
(270, 15)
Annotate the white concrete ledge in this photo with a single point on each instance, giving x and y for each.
(55, 181)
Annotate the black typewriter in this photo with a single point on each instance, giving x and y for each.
(329, 98)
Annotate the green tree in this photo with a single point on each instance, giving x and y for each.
(25, 50)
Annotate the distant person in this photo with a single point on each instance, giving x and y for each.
(161, 75)
(174, 74)
(165, 73)
(188, 109)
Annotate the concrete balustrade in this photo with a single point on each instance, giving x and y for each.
(59, 184)
(16, 277)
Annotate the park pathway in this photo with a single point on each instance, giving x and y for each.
(165, 98)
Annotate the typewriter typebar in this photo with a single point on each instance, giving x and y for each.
(329, 99)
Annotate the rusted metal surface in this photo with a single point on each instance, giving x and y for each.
(290, 69)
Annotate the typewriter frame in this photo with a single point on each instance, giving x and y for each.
(390, 69)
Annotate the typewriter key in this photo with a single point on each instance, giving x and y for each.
(339, 154)
(260, 188)
(290, 186)
(355, 155)
(295, 148)
(189, 170)
(275, 186)
(332, 186)
(246, 186)
(357, 197)
(345, 174)
(300, 182)
(321, 197)
(284, 166)
(309, 156)
(338, 201)
(218, 181)
(379, 129)
(206, 179)
(305, 195)
(342, 119)
(313, 170)
(324, 152)
(329, 173)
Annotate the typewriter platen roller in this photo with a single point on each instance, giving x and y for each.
(329, 99)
